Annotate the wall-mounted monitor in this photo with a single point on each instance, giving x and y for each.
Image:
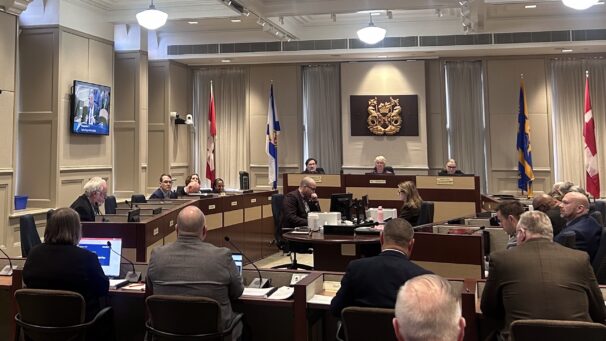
(90, 109)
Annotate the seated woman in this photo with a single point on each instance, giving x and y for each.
(311, 167)
(411, 208)
(380, 167)
(192, 185)
(219, 186)
(450, 169)
(59, 264)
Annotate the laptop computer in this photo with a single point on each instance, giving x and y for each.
(237, 258)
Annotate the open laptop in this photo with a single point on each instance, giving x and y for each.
(109, 260)
(237, 257)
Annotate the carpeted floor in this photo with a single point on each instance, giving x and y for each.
(279, 259)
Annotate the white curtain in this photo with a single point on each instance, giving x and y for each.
(322, 116)
(231, 145)
(465, 117)
(567, 92)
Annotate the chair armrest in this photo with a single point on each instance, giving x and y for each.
(101, 314)
(234, 322)
(156, 332)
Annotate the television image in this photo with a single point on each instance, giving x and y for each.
(90, 109)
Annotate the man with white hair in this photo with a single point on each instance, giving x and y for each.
(428, 309)
(540, 279)
(87, 205)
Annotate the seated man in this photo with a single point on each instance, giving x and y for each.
(165, 190)
(192, 267)
(450, 169)
(575, 210)
(508, 213)
(548, 205)
(381, 168)
(428, 308)
(540, 279)
(298, 203)
(374, 281)
(87, 205)
(311, 167)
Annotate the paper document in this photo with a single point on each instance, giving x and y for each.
(282, 293)
(320, 299)
(134, 287)
(256, 292)
(117, 283)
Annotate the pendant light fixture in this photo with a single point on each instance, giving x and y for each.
(152, 18)
(371, 34)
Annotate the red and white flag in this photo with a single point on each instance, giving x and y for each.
(591, 151)
(212, 133)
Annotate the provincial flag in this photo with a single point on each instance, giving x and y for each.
(271, 139)
(592, 175)
(212, 133)
(526, 173)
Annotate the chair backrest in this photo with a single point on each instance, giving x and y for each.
(29, 234)
(184, 315)
(277, 200)
(599, 260)
(556, 330)
(138, 199)
(110, 204)
(426, 214)
(362, 323)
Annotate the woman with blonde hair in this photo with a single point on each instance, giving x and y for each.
(411, 207)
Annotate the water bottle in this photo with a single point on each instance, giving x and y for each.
(380, 215)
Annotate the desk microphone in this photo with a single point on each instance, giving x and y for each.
(131, 276)
(257, 282)
(7, 270)
(130, 204)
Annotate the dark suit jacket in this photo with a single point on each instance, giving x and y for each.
(387, 170)
(542, 280)
(67, 267)
(293, 210)
(587, 232)
(374, 281)
(158, 194)
(444, 172)
(411, 214)
(557, 222)
(319, 170)
(84, 208)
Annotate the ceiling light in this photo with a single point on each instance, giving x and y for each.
(381, 56)
(225, 60)
(192, 22)
(371, 34)
(579, 4)
(566, 50)
(236, 20)
(530, 6)
(152, 18)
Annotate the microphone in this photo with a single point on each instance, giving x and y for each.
(7, 270)
(130, 205)
(257, 282)
(131, 276)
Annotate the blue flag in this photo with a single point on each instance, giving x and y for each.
(526, 174)
(271, 139)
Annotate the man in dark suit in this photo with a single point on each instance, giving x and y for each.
(548, 205)
(87, 205)
(450, 169)
(165, 190)
(298, 203)
(311, 167)
(375, 281)
(540, 279)
(575, 210)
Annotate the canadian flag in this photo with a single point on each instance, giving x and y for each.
(212, 133)
(591, 151)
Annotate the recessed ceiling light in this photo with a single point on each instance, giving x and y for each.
(530, 6)
(192, 22)
(381, 56)
(236, 20)
(225, 60)
(566, 50)
(371, 11)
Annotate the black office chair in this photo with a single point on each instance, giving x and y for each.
(426, 213)
(600, 206)
(364, 323)
(39, 319)
(138, 199)
(599, 260)
(597, 215)
(110, 204)
(277, 201)
(556, 330)
(187, 318)
(29, 234)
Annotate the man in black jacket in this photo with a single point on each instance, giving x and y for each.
(298, 203)
(87, 205)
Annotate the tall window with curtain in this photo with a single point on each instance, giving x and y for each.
(567, 92)
(322, 116)
(231, 143)
(465, 117)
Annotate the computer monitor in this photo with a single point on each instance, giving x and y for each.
(341, 202)
(237, 257)
(109, 260)
(134, 215)
(365, 204)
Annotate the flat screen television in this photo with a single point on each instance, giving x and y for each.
(90, 109)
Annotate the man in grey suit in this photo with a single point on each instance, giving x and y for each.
(192, 267)
(540, 279)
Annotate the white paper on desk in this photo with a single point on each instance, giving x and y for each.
(282, 293)
(256, 292)
(320, 299)
(134, 287)
(116, 283)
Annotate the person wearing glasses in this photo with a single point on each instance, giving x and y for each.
(87, 205)
(298, 203)
(311, 167)
(381, 168)
(450, 169)
(165, 191)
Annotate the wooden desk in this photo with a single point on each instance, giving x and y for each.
(334, 252)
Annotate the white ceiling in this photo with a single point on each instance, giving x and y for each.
(337, 19)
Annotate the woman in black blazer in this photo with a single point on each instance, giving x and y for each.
(411, 207)
(59, 264)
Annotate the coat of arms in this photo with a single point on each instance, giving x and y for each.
(384, 118)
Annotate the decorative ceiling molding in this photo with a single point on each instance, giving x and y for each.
(14, 6)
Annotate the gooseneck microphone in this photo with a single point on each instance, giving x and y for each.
(131, 276)
(257, 282)
(7, 270)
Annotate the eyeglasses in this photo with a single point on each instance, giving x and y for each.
(313, 189)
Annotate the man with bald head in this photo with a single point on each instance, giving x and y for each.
(192, 267)
(298, 203)
(575, 210)
(550, 206)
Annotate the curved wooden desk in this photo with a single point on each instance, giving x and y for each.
(334, 252)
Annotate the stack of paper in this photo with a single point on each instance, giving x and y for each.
(256, 292)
